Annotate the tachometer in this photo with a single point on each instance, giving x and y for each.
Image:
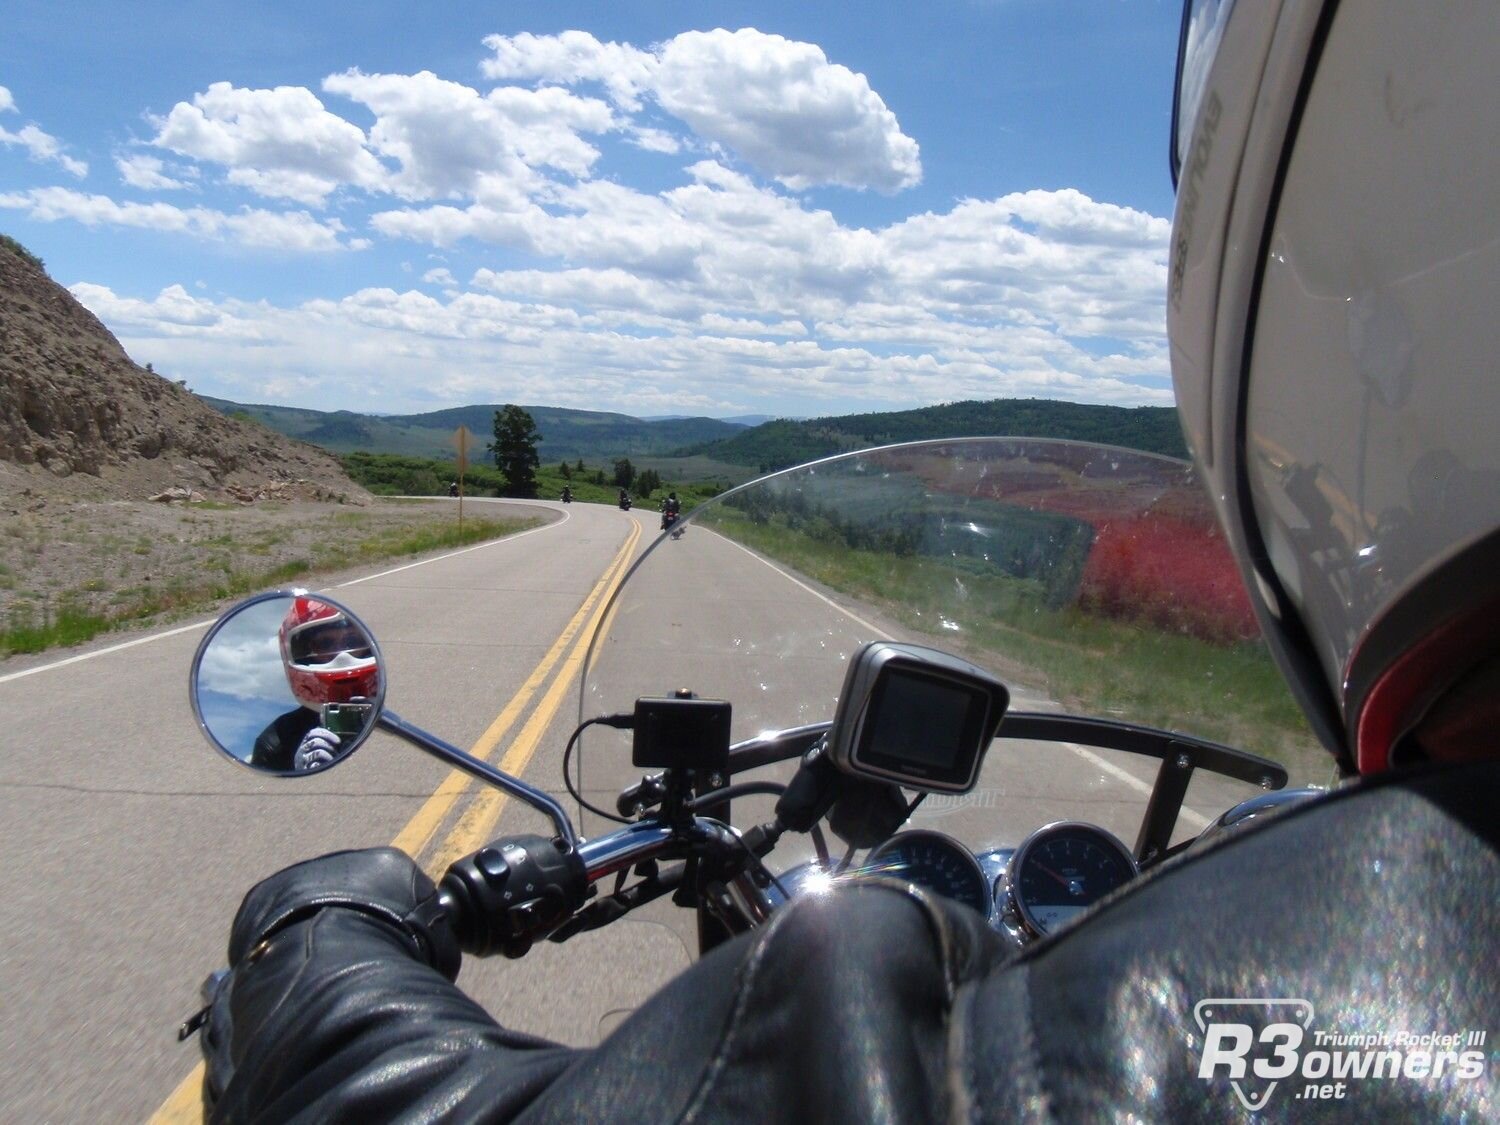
(1062, 869)
(935, 862)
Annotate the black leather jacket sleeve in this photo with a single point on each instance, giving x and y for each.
(1381, 907)
(335, 1020)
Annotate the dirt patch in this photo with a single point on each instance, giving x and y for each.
(150, 562)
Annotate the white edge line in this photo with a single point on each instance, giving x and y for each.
(798, 582)
(210, 620)
(1187, 814)
(106, 651)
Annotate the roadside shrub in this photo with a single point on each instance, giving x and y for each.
(1168, 573)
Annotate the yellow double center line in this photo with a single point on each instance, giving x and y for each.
(418, 833)
(478, 820)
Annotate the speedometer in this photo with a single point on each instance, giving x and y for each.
(1062, 869)
(934, 862)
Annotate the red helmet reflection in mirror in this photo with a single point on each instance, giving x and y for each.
(328, 658)
(1332, 282)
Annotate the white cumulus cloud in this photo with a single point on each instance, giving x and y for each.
(572, 57)
(715, 289)
(776, 103)
(286, 230)
(450, 141)
(40, 146)
(149, 173)
(281, 143)
(173, 309)
(1033, 295)
(785, 109)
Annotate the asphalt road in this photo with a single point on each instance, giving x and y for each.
(129, 842)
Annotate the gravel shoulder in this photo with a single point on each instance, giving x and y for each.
(151, 563)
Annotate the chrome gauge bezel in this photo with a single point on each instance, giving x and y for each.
(1017, 865)
(954, 846)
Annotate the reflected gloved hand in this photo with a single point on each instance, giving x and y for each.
(319, 747)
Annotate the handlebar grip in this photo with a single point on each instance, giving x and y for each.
(508, 894)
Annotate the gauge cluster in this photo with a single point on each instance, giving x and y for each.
(1062, 869)
(1056, 874)
(934, 862)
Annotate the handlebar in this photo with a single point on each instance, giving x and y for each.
(505, 896)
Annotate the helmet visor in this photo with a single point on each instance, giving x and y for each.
(323, 641)
(1203, 23)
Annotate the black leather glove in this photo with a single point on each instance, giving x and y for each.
(381, 882)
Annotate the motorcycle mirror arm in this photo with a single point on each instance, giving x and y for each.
(479, 768)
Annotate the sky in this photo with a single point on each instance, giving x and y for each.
(656, 208)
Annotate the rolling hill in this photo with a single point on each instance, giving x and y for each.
(566, 434)
(779, 444)
(713, 447)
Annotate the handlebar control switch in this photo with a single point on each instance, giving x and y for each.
(511, 892)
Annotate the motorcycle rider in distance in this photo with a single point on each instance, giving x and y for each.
(1319, 336)
(453, 488)
(327, 660)
(567, 494)
(624, 500)
(671, 508)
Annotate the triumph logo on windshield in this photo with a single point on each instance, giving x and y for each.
(1259, 1043)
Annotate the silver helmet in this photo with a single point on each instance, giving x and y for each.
(1334, 316)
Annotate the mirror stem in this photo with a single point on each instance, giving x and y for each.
(478, 767)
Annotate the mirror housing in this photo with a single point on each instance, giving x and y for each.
(287, 683)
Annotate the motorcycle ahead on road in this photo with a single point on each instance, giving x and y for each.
(1053, 617)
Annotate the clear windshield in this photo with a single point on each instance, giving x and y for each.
(1091, 579)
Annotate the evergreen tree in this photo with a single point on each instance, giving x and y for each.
(515, 452)
(647, 482)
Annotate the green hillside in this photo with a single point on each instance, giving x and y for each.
(779, 444)
(714, 446)
(566, 434)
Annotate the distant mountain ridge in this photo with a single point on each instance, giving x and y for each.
(566, 435)
(782, 443)
(598, 437)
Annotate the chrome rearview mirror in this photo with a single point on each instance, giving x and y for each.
(287, 683)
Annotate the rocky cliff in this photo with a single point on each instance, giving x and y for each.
(79, 418)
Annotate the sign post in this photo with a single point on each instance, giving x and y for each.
(461, 438)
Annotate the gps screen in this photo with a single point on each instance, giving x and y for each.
(921, 720)
(923, 727)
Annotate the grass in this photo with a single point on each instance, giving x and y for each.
(34, 624)
(1090, 664)
(30, 630)
(394, 475)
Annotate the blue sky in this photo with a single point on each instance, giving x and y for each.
(718, 208)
